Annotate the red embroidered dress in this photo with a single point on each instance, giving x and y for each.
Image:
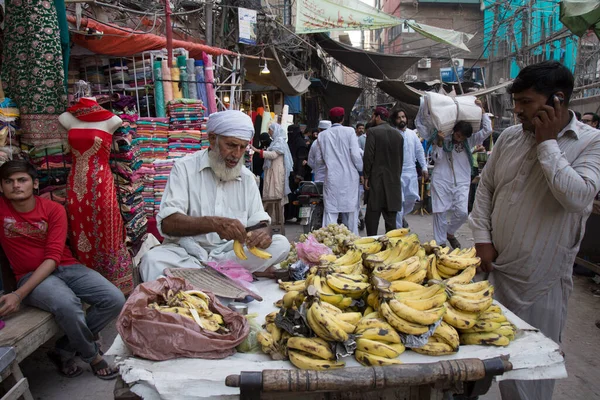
(97, 232)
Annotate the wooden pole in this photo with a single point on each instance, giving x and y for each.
(169, 32)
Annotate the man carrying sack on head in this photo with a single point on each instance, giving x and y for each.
(212, 201)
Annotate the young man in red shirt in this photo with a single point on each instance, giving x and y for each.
(33, 235)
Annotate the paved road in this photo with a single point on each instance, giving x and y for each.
(581, 345)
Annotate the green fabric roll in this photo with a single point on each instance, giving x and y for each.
(159, 95)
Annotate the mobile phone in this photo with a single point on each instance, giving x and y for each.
(550, 101)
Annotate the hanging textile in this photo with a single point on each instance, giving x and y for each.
(200, 85)
(191, 75)
(210, 89)
(166, 76)
(159, 96)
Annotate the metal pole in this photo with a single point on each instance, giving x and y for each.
(209, 23)
(456, 73)
(169, 32)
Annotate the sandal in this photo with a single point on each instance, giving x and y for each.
(66, 368)
(113, 372)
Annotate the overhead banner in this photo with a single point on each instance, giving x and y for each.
(247, 24)
(340, 15)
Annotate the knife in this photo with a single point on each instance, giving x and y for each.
(260, 225)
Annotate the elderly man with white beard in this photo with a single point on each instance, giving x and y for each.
(210, 200)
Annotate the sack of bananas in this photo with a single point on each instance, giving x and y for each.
(238, 249)
(445, 340)
(408, 313)
(192, 304)
(273, 341)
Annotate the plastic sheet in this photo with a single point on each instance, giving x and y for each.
(311, 251)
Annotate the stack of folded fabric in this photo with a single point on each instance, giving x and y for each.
(185, 114)
(182, 143)
(162, 170)
(126, 165)
(53, 164)
(92, 71)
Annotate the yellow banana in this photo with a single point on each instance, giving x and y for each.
(364, 240)
(432, 272)
(204, 323)
(176, 310)
(346, 287)
(458, 319)
(417, 277)
(351, 269)
(448, 334)
(369, 360)
(349, 317)
(508, 331)
(447, 271)
(265, 339)
(331, 308)
(368, 311)
(370, 248)
(427, 317)
(321, 286)
(455, 252)
(469, 253)
(373, 300)
(372, 314)
(376, 348)
(495, 308)
(435, 349)
(317, 328)
(404, 286)
(275, 331)
(470, 287)
(351, 278)
(200, 294)
(492, 317)
(399, 270)
(487, 292)
(262, 254)
(397, 232)
(238, 249)
(425, 292)
(483, 326)
(426, 304)
(305, 361)
(457, 262)
(487, 338)
(368, 323)
(381, 335)
(351, 257)
(296, 285)
(400, 324)
(328, 257)
(329, 323)
(289, 297)
(270, 317)
(314, 346)
(464, 277)
(469, 305)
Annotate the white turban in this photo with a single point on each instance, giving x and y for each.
(231, 123)
(325, 124)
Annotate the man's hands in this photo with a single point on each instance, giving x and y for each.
(488, 254)
(547, 122)
(366, 184)
(260, 238)
(425, 174)
(230, 229)
(9, 303)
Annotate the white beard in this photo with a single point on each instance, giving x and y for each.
(219, 166)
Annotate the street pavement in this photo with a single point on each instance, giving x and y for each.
(581, 344)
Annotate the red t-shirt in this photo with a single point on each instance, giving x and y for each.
(30, 238)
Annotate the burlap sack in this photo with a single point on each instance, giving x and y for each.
(163, 336)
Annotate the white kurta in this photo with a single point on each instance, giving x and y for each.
(194, 190)
(532, 203)
(413, 152)
(317, 167)
(342, 159)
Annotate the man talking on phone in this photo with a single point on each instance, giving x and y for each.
(535, 195)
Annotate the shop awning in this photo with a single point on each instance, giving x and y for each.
(124, 42)
(400, 90)
(580, 16)
(337, 95)
(290, 85)
(367, 63)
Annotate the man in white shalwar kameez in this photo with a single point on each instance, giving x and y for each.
(318, 168)
(209, 201)
(452, 178)
(342, 158)
(413, 152)
(534, 197)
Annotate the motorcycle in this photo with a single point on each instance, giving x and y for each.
(310, 201)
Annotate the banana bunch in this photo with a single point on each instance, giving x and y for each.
(377, 342)
(349, 263)
(238, 249)
(397, 233)
(312, 353)
(445, 340)
(295, 285)
(292, 299)
(411, 270)
(490, 328)
(399, 249)
(193, 304)
(410, 312)
(452, 264)
(465, 277)
(273, 341)
(327, 323)
(336, 288)
(372, 247)
(472, 298)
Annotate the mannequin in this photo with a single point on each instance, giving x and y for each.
(96, 231)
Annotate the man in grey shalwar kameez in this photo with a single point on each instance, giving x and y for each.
(535, 195)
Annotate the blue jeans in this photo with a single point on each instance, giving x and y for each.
(62, 292)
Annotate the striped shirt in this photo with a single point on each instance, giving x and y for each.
(532, 204)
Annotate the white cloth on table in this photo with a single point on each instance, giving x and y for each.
(532, 204)
(341, 155)
(350, 219)
(194, 190)
(413, 152)
(317, 167)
